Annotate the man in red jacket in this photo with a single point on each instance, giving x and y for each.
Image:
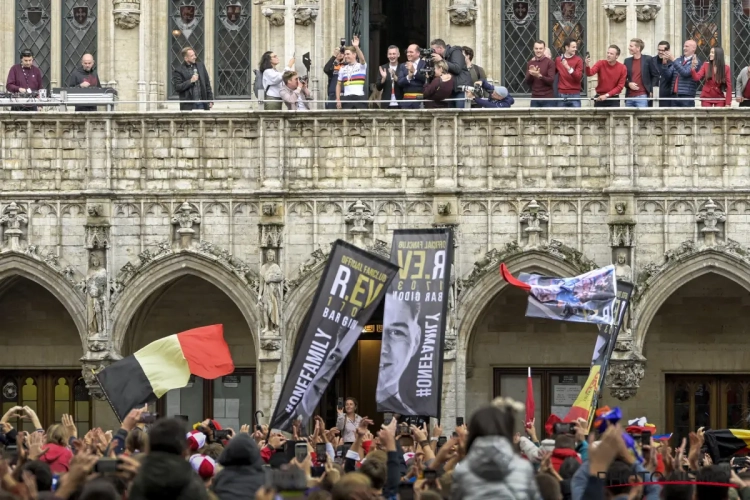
(540, 76)
(570, 70)
(612, 75)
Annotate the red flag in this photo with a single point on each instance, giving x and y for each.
(530, 406)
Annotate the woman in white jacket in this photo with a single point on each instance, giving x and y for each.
(272, 80)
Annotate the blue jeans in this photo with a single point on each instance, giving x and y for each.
(637, 102)
(574, 101)
(543, 104)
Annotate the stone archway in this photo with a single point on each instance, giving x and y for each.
(481, 287)
(158, 273)
(657, 282)
(58, 281)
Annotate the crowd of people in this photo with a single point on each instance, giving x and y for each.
(149, 458)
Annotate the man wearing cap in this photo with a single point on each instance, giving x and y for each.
(499, 97)
(24, 78)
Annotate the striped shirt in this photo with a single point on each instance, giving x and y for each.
(352, 77)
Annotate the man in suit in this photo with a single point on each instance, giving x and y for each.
(388, 81)
(410, 78)
(663, 67)
(684, 87)
(639, 84)
(190, 79)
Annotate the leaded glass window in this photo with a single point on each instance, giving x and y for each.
(520, 30)
(740, 36)
(33, 33)
(79, 30)
(567, 19)
(232, 49)
(702, 23)
(185, 30)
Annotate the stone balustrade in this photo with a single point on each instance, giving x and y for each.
(509, 151)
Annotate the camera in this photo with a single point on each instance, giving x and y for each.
(476, 89)
(304, 79)
(426, 53)
(429, 67)
(342, 43)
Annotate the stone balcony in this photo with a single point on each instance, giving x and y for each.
(504, 152)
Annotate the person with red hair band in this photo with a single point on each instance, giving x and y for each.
(717, 89)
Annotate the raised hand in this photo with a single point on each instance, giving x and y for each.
(69, 425)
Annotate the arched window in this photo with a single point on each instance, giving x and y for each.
(186, 29)
(233, 73)
(79, 34)
(33, 32)
(520, 30)
(702, 23)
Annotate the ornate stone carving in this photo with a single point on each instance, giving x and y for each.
(271, 294)
(270, 345)
(647, 11)
(50, 259)
(444, 209)
(651, 271)
(622, 235)
(127, 13)
(624, 376)
(616, 12)
(316, 259)
(89, 371)
(621, 207)
(623, 270)
(185, 217)
(275, 16)
(380, 247)
(305, 16)
(96, 297)
(13, 217)
(463, 12)
(164, 249)
(271, 235)
(493, 258)
(710, 216)
(533, 216)
(269, 209)
(359, 216)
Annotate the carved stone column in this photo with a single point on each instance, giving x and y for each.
(96, 290)
(622, 242)
(360, 217)
(187, 219)
(710, 221)
(534, 216)
(12, 222)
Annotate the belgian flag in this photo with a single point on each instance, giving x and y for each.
(724, 443)
(164, 365)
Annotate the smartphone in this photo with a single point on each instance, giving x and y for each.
(149, 418)
(646, 438)
(441, 441)
(430, 474)
(221, 435)
(387, 417)
(563, 428)
(300, 451)
(459, 421)
(182, 417)
(340, 403)
(320, 452)
(403, 429)
(588, 55)
(106, 465)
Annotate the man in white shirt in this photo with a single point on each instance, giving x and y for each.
(294, 92)
(352, 78)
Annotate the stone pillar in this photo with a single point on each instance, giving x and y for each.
(445, 217)
(96, 289)
(270, 307)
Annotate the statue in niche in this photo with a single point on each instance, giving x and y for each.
(96, 289)
(623, 271)
(271, 293)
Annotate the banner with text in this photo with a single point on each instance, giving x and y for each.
(352, 286)
(588, 399)
(411, 358)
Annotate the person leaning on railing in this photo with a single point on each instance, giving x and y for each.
(272, 80)
(439, 88)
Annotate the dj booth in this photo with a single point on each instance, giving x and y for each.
(63, 97)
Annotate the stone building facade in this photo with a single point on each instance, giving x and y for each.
(119, 229)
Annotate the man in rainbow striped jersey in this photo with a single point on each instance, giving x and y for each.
(352, 77)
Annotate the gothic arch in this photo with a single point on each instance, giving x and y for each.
(17, 264)
(155, 274)
(658, 281)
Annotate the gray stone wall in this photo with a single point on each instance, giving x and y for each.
(141, 200)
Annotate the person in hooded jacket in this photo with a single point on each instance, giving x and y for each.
(55, 453)
(242, 473)
(491, 469)
(565, 447)
(85, 76)
(165, 472)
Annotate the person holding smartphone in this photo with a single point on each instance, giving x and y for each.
(347, 420)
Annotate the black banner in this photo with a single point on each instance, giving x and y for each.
(352, 286)
(607, 339)
(410, 378)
